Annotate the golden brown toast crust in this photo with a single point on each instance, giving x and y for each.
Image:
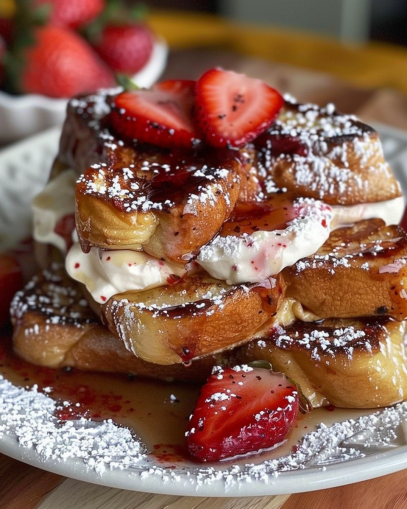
(347, 363)
(193, 318)
(54, 327)
(360, 271)
(325, 155)
(170, 207)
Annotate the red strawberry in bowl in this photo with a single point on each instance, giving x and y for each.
(232, 109)
(161, 116)
(241, 410)
(61, 64)
(69, 13)
(125, 48)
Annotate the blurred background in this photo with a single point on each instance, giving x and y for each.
(349, 52)
(347, 20)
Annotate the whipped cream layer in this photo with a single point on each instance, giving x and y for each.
(391, 211)
(106, 273)
(251, 258)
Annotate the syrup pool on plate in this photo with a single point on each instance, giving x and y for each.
(157, 412)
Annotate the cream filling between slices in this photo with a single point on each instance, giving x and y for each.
(139, 271)
(54, 202)
(106, 273)
(130, 270)
(391, 211)
(251, 258)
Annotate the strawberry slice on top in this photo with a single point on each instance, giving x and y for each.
(241, 410)
(232, 109)
(161, 116)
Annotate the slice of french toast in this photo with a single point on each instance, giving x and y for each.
(169, 207)
(88, 138)
(192, 318)
(361, 270)
(349, 363)
(312, 151)
(322, 154)
(53, 326)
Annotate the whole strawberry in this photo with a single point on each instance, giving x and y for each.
(60, 64)
(69, 13)
(126, 48)
(241, 410)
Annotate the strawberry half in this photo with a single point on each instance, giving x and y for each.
(161, 116)
(241, 410)
(232, 109)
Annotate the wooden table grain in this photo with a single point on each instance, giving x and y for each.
(25, 487)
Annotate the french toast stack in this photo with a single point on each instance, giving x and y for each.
(185, 255)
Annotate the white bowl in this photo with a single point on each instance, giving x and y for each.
(22, 116)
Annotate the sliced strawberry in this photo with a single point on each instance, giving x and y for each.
(241, 410)
(232, 109)
(11, 280)
(161, 116)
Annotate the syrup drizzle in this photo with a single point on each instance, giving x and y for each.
(273, 214)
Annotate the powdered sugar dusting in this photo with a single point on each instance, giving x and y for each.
(28, 415)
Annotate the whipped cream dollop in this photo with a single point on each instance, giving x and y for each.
(106, 273)
(55, 202)
(253, 257)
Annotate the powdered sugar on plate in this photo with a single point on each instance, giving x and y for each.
(28, 415)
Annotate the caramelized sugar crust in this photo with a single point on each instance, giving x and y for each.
(319, 153)
(169, 206)
(195, 317)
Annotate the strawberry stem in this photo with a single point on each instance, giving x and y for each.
(126, 82)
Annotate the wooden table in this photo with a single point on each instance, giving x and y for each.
(369, 80)
(26, 487)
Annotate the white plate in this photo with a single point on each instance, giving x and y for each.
(350, 446)
(26, 115)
